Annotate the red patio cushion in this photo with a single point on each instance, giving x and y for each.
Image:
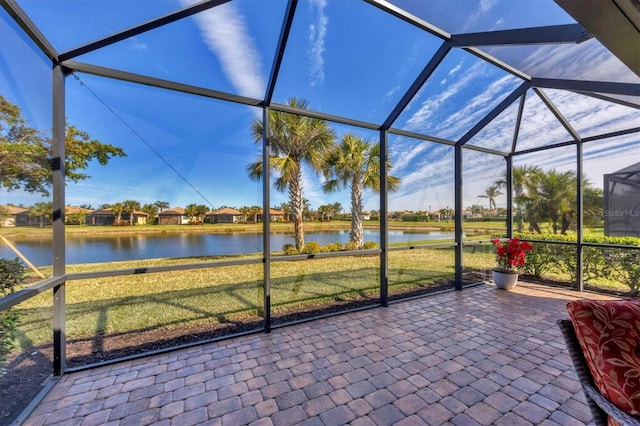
(609, 334)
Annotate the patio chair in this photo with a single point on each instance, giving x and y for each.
(600, 407)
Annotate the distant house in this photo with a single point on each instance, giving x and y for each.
(11, 216)
(225, 215)
(75, 215)
(25, 218)
(276, 215)
(174, 216)
(105, 217)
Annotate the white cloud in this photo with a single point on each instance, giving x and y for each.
(471, 24)
(420, 120)
(317, 34)
(136, 44)
(464, 118)
(455, 69)
(224, 31)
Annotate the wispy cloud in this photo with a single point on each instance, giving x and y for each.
(482, 10)
(479, 106)
(585, 61)
(421, 119)
(136, 44)
(317, 33)
(225, 32)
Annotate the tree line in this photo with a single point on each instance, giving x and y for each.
(549, 196)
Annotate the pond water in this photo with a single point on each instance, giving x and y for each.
(148, 246)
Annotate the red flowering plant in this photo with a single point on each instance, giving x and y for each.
(511, 254)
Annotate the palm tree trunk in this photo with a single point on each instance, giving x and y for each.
(357, 232)
(297, 209)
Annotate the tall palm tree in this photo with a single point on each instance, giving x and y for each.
(492, 192)
(355, 164)
(294, 141)
(522, 178)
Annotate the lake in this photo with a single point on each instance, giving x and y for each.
(111, 248)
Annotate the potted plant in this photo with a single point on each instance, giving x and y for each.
(510, 255)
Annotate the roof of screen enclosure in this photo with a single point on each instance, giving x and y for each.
(605, 27)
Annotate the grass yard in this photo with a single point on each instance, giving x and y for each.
(223, 295)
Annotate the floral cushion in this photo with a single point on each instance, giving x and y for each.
(609, 334)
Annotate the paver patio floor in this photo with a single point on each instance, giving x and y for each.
(479, 356)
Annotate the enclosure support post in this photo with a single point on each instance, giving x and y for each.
(509, 159)
(458, 216)
(579, 218)
(384, 225)
(59, 257)
(266, 219)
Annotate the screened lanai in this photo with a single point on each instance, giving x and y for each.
(121, 110)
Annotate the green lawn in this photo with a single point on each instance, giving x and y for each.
(223, 294)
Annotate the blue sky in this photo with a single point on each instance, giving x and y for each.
(344, 57)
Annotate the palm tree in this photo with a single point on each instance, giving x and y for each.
(152, 212)
(294, 140)
(245, 211)
(255, 211)
(161, 205)
(355, 164)
(553, 195)
(117, 210)
(130, 206)
(522, 178)
(492, 192)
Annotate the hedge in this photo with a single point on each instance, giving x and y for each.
(552, 255)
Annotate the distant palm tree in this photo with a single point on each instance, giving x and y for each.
(555, 195)
(245, 211)
(152, 212)
(255, 211)
(161, 205)
(117, 209)
(294, 140)
(355, 164)
(492, 192)
(522, 178)
(130, 206)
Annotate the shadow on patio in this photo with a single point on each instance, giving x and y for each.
(480, 356)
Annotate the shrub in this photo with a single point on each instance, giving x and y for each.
(553, 255)
(11, 275)
(350, 245)
(290, 249)
(337, 246)
(369, 245)
(311, 247)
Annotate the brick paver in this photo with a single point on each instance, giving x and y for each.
(481, 356)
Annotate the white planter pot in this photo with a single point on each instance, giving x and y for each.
(504, 280)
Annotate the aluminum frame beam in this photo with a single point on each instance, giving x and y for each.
(159, 83)
(30, 28)
(556, 112)
(282, 44)
(424, 75)
(609, 87)
(139, 29)
(553, 34)
(513, 96)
